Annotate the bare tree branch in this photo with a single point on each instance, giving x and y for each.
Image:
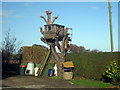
(44, 19)
(10, 46)
(41, 30)
(42, 39)
(54, 19)
(55, 54)
(57, 44)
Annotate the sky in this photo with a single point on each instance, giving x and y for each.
(89, 21)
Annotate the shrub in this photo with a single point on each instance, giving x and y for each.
(111, 74)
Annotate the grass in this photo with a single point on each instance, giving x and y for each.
(56, 77)
(91, 83)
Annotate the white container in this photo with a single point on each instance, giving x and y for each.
(55, 68)
(36, 70)
(30, 70)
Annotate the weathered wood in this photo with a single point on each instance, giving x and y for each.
(48, 21)
(53, 33)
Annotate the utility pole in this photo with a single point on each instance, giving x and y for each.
(110, 19)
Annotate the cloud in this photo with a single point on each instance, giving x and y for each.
(26, 4)
(10, 13)
(7, 13)
(0, 22)
(0, 14)
(4, 15)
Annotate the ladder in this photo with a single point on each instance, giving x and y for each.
(44, 63)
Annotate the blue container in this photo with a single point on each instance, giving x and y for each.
(51, 72)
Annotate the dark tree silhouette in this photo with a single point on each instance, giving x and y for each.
(80, 49)
(9, 46)
(76, 49)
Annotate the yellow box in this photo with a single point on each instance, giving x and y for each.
(68, 64)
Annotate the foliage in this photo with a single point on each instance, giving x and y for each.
(91, 65)
(91, 83)
(10, 55)
(9, 46)
(35, 53)
(80, 49)
(112, 73)
(57, 77)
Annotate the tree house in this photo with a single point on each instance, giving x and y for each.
(53, 31)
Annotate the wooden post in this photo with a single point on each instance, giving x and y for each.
(110, 19)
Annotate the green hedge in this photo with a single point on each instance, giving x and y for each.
(36, 54)
(91, 65)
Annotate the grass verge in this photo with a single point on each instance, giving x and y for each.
(91, 83)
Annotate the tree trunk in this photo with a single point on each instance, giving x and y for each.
(59, 69)
(59, 60)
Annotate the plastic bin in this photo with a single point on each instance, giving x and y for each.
(36, 71)
(30, 69)
(22, 69)
(51, 72)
